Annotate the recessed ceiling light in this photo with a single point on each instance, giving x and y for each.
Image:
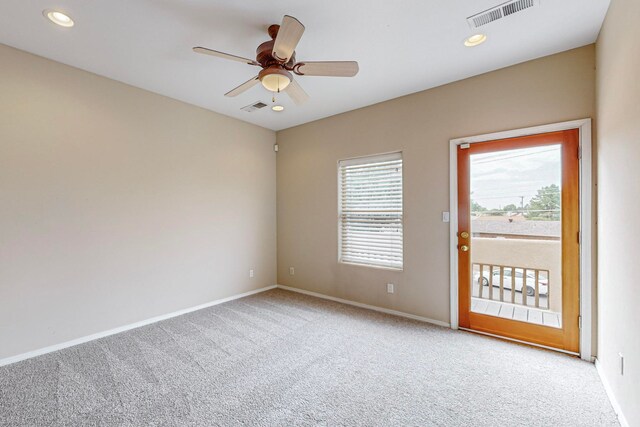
(58, 18)
(277, 108)
(475, 40)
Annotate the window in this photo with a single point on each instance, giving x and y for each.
(370, 211)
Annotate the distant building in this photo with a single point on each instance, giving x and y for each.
(512, 227)
(507, 216)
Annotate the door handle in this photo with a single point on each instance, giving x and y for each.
(464, 248)
(464, 235)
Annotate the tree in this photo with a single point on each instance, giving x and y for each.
(545, 206)
(476, 207)
(510, 208)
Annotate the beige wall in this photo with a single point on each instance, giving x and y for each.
(525, 253)
(618, 100)
(117, 205)
(548, 90)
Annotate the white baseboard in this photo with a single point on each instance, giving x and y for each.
(612, 397)
(367, 306)
(81, 340)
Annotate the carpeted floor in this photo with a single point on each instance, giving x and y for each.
(284, 359)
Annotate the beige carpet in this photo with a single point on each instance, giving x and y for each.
(284, 359)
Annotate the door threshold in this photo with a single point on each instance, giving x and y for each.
(571, 353)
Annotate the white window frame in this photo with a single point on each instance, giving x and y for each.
(360, 161)
(586, 236)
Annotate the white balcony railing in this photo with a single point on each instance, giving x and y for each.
(525, 286)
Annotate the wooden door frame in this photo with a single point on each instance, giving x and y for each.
(586, 229)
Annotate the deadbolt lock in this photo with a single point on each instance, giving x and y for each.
(464, 248)
(464, 235)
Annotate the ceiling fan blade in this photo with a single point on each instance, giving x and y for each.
(287, 39)
(223, 55)
(296, 93)
(243, 87)
(327, 68)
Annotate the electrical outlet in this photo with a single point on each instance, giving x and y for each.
(292, 271)
(251, 273)
(390, 288)
(621, 363)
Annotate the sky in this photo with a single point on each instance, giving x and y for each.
(504, 177)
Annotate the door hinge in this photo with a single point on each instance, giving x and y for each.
(579, 322)
(579, 238)
(579, 153)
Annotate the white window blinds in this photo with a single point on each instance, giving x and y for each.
(370, 210)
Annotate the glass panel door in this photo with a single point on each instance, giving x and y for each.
(518, 241)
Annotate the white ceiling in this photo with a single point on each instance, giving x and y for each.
(402, 46)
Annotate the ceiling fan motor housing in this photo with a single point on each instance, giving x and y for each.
(264, 52)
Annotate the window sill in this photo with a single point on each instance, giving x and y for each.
(377, 267)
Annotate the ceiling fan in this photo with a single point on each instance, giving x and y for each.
(277, 58)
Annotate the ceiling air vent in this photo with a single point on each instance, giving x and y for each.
(499, 12)
(253, 107)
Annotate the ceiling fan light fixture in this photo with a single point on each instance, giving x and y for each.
(275, 79)
(58, 18)
(475, 40)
